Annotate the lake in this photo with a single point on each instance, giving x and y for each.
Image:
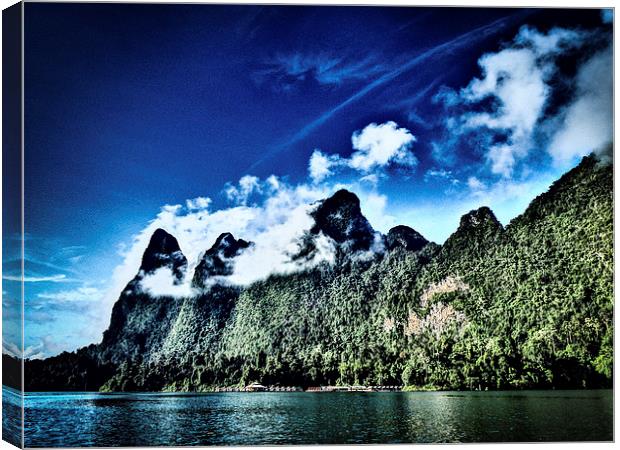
(103, 420)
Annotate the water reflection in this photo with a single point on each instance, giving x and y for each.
(103, 420)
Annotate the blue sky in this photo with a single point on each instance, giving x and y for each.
(205, 119)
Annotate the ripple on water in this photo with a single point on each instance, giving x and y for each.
(104, 420)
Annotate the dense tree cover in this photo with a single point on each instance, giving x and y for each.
(69, 371)
(539, 296)
(11, 371)
(522, 307)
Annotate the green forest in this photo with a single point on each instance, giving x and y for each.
(528, 305)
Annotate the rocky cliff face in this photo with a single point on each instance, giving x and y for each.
(164, 251)
(219, 259)
(402, 236)
(138, 322)
(340, 218)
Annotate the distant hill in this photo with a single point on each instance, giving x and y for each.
(525, 306)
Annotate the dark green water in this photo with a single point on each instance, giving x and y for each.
(92, 419)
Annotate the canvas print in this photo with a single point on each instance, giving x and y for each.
(279, 225)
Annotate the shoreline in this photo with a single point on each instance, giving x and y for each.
(406, 389)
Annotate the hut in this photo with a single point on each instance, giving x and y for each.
(255, 387)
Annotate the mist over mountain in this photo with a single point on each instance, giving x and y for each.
(523, 306)
(219, 259)
(164, 251)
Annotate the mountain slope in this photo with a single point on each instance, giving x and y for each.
(528, 305)
(537, 296)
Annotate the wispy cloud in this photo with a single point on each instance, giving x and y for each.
(12, 349)
(441, 174)
(40, 265)
(284, 72)
(82, 294)
(60, 278)
(445, 48)
(36, 351)
(46, 346)
(409, 104)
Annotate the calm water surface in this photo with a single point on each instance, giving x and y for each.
(93, 419)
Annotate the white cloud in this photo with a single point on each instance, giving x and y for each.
(516, 80)
(320, 165)
(275, 244)
(475, 184)
(248, 185)
(273, 183)
(379, 145)
(171, 208)
(160, 283)
(198, 203)
(374, 206)
(586, 124)
(375, 147)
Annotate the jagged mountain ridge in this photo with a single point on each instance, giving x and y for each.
(339, 217)
(421, 314)
(163, 251)
(148, 329)
(218, 260)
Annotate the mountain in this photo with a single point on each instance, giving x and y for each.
(529, 305)
(340, 218)
(164, 251)
(405, 237)
(219, 259)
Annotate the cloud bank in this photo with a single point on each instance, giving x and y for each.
(275, 226)
(509, 107)
(272, 214)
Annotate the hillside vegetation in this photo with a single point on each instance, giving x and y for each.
(525, 306)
